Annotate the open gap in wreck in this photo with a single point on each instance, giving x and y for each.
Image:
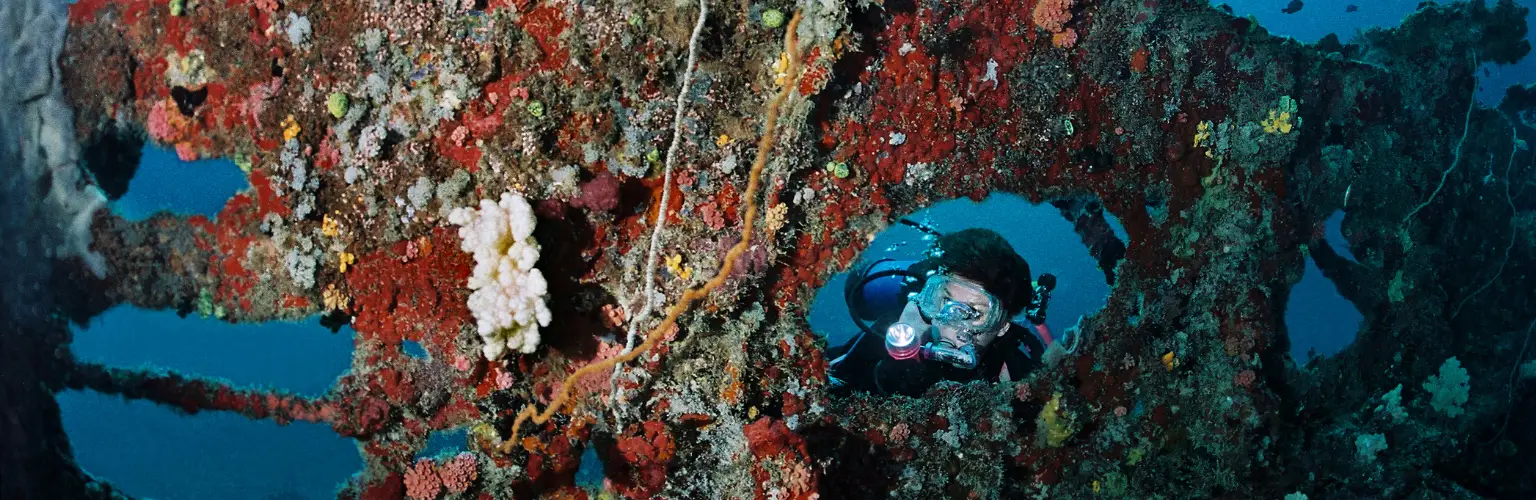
(1047, 235)
(1318, 319)
(152, 451)
(209, 454)
(443, 442)
(590, 474)
(300, 357)
(1333, 230)
(161, 183)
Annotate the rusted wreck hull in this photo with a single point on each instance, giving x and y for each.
(1219, 147)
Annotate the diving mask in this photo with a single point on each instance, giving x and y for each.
(954, 304)
(961, 304)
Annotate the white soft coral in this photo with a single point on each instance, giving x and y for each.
(509, 295)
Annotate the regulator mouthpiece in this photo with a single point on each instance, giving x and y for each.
(964, 357)
(901, 341)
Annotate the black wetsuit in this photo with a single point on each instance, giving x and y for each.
(862, 364)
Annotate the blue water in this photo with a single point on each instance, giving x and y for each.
(1333, 231)
(164, 182)
(413, 349)
(589, 474)
(149, 451)
(1318, 18)
(210, 454)
(301, 357)
(441, 442)
(1317, 317)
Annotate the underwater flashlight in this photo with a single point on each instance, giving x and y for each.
(901, 341)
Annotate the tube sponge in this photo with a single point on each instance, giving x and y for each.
(509, 298)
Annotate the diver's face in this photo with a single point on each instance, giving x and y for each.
(968, 292)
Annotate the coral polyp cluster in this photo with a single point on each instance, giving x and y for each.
(484, 180)
(508, 298)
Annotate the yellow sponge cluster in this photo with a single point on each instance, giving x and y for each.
(1279, 121)
(1054, 425)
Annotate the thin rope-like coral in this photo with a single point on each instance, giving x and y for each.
(1466, 128)
(649, 290)
(1514, 381)
(749, 209)
(1514, 147)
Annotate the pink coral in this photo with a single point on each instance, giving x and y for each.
(159, 123)
(614, 316)
(600, 194)
(597, 382)
(256, 98)
(422, 481)
(1245, 378)
(712, 216)
(459, 472)
(329, 154)
(459, 134)
(1052, 15)
(186, 152)
(503, 379)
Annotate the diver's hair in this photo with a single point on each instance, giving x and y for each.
(984, 256)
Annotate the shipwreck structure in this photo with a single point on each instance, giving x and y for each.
(798, 132)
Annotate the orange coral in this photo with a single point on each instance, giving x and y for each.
(732, 391)
(1052, 15)
(1139, 60)
(1066, 39)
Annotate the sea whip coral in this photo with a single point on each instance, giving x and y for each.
(669, 323)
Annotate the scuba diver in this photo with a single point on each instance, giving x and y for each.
(946, 317)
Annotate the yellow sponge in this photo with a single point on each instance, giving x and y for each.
(1054, 425)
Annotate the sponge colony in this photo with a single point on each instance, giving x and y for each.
(509, 294)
